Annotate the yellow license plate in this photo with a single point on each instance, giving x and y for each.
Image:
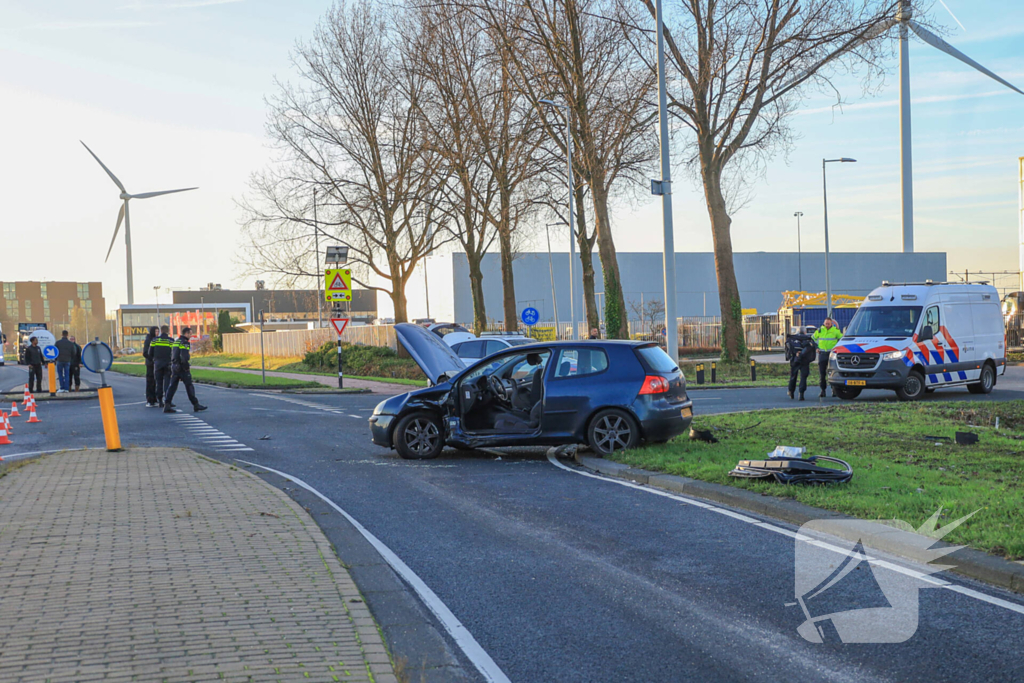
(687, 412)
(856, 383)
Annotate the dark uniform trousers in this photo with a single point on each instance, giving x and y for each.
(161, 379)
(823, 369)
(35, 371)
(803, 369)
(75, 376)
(184, 375)
(151, 383)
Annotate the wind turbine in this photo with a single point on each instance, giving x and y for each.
(123, 215)
(904, 19)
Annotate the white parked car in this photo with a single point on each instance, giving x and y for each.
(915, 338)
(475, 349)
(452, 333)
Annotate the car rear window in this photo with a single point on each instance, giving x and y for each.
(657, 359)
(471, 349)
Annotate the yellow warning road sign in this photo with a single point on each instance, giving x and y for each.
(338, 284)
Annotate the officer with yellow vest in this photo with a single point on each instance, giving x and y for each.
(826, 336)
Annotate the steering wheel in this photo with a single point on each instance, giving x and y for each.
(497, 388)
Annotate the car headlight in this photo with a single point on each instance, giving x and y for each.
(379, 408)
(831, 354)
(892, 355)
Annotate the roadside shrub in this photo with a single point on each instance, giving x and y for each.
(365, 361)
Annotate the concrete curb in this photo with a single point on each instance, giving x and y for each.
(83, 395)
(968, 561)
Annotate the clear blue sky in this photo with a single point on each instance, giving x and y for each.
(170, 93)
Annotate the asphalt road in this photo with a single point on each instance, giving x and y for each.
(561, 577)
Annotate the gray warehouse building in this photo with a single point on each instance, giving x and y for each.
(762, 277)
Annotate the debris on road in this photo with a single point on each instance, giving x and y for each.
(785, 465)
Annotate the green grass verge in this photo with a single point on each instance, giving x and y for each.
(238, 379)
(738, 374)
(899, 473)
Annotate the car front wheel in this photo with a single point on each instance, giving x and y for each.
(846, 393)
(418, 437)
(913, 388)
(612, 430)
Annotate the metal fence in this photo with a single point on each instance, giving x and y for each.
(296, 343)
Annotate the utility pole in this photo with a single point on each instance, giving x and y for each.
(319, 275)
(799, 256)
(664, 188)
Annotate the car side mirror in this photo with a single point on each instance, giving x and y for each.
(925, 334)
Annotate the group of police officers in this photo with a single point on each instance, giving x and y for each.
(167, 364)
(801, 350)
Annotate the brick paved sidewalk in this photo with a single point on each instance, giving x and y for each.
(160, 565)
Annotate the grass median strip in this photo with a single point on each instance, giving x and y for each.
(238, 379)
(902, 470)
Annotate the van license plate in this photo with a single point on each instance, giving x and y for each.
(856, 383)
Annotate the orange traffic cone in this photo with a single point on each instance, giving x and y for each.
(7, 422)
(32, 413)
(28, 395)
(14, 409)
(4, 441)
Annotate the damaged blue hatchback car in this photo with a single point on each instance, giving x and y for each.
(610, 395)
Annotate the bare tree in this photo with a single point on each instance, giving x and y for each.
(352, 131)
(650, 313)
(567, 50)
(742, 68)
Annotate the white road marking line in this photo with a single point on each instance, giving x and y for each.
(228, 450)
(459, 633)
(939, 583)
(358, 417)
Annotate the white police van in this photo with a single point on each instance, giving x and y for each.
(915, 338)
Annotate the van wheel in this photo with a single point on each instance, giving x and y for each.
(913, 388)
(988, 381)
(612, 430)
(418, 436)
(846, 393)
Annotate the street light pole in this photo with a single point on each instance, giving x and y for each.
(551, 272)
(572, 214)
(319, 276)
(664, 188)
(156, 293)
(824, 188)
(799, 256)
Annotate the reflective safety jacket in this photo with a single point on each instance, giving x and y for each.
(160, 350)
(181, 352)
(827, 338)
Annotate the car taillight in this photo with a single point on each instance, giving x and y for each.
(654, 384)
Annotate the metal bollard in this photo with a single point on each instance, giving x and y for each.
(700, 373)
(753, 370)
(714, 372)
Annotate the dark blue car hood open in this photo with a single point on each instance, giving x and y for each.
(435, 358)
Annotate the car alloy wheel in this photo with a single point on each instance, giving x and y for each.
(418, 436)
(612, 431)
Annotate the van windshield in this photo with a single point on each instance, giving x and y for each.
(884, 321)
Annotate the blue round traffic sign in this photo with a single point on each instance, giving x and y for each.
(50, 352)
(97, 357)
(530, 316)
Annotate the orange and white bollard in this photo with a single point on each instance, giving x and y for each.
(32, 413)
(14, 409)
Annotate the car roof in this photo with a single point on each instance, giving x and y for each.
(598, 342)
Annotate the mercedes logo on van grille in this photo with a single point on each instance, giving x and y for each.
(855, 360)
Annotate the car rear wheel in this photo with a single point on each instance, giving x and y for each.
(612, 430)
(418, 437)
(988, 380)
(913, 388)
(846, 393)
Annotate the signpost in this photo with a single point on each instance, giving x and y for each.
(97, 357)
(339, 327)
(337, 285)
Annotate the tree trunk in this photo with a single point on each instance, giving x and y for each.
(398, 299)
(508, 285)
(616, 322)
(476, 287)
(734, 349)
(587, 262)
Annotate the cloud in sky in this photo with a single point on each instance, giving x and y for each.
(80, 25)
(177, 4)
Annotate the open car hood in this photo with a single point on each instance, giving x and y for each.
(435, 358)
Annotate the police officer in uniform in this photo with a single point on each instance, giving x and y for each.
(800, 350)
(34, 360)
(181, 370)
(826, 337)
(160, 352)
(151, 399)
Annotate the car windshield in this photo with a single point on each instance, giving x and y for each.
(884, 321)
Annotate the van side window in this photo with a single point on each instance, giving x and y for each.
(931, 320)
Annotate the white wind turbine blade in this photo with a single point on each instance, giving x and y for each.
(147, 195)
(120, 217)
(112, 176)
(939, 44)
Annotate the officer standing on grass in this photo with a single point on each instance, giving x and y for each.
(147, 353)
(826, 337)
(800, 350)
(160, 352)
(181, 370)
